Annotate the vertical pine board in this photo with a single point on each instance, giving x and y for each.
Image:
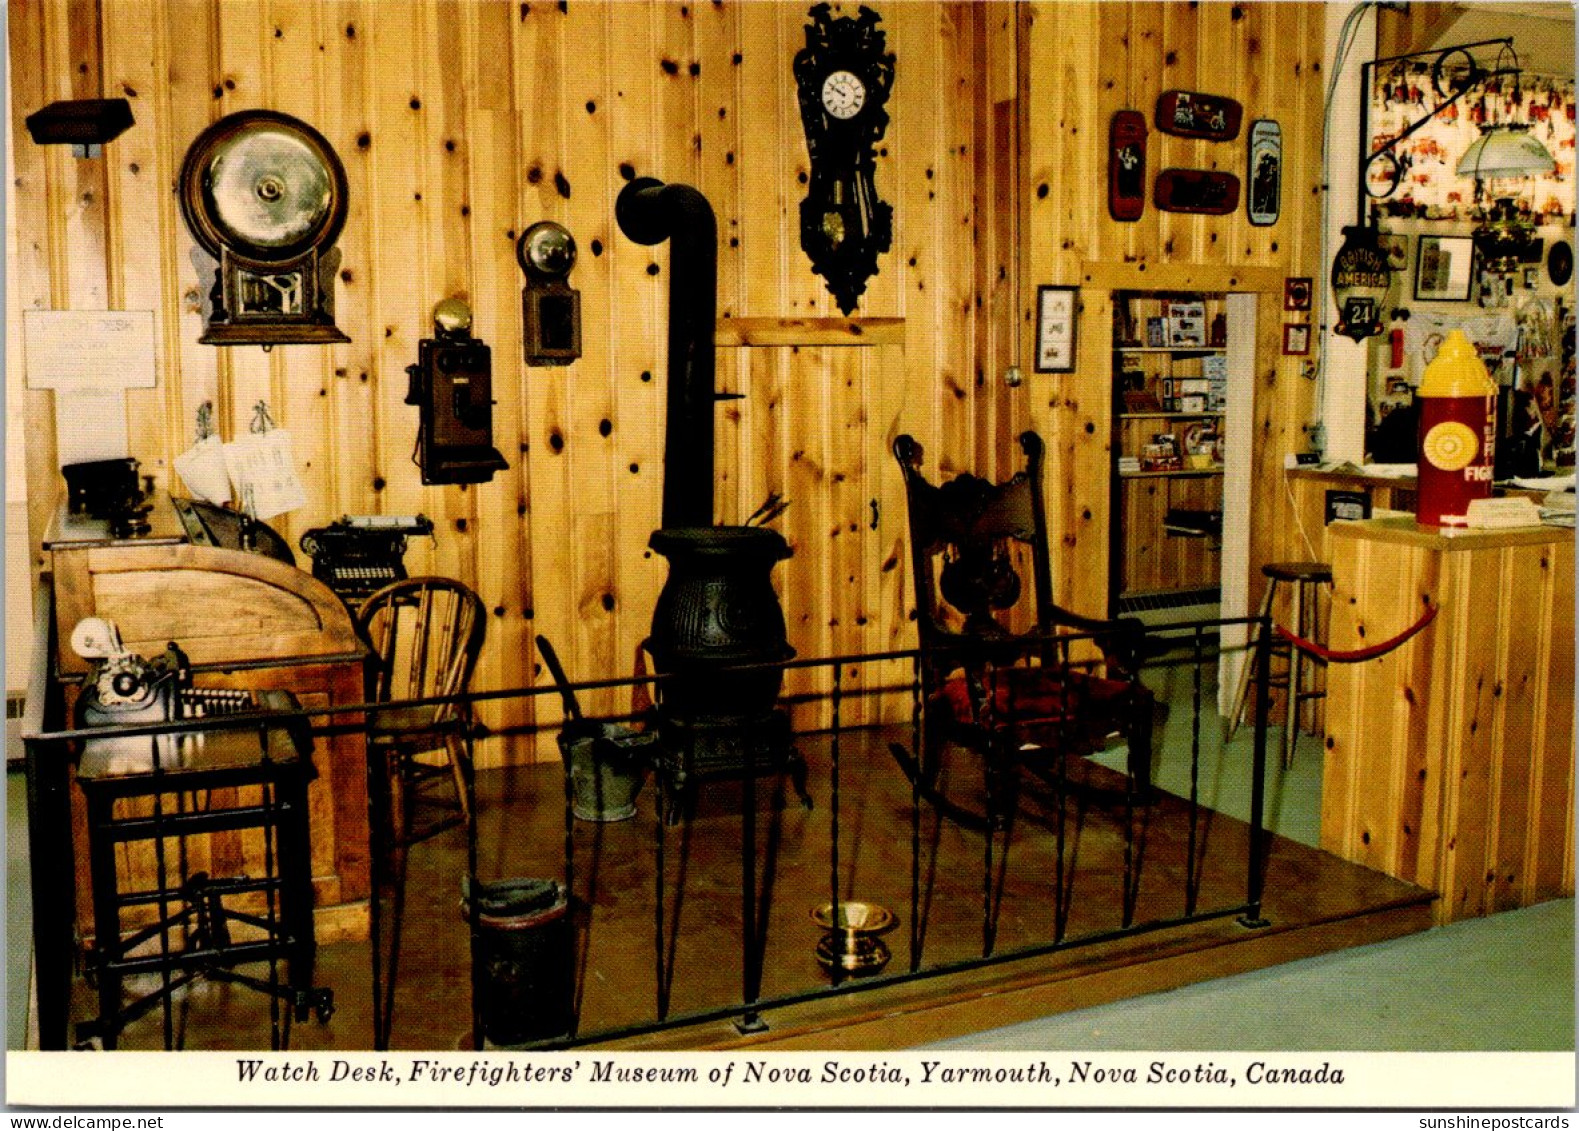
(401, 305)
(30, 278)
(503, 569)
(583, 187)
(848, 518)
(538, 44)
(190, 104)
(637, 349)
(938, 417)
(1468, 814)
(133, 171)
(770, 34)
(1221, 30)
(246, 372)
(1410, 722)
(1112, 238)
(1552, 844)
(1146, 48)
(1181, 66)
(1518, 739)
(1263, 98)
(717, 119)
(303, 376)
(75, 59)
(344, 31)
(956, 216)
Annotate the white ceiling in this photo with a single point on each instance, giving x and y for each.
(1543, 34)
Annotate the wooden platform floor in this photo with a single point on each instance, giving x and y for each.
(1313, 903)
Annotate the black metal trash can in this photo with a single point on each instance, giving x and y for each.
(522, 976)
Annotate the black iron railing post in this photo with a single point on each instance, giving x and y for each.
(1257, 857)
(1191, 876)
(834, 754)
(915, 816)
(750, 952)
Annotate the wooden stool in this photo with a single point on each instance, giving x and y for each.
(276, 758)
(1305, 577)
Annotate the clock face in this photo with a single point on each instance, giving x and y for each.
(843, 94)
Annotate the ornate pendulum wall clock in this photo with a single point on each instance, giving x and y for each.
(264, 196)
(843, 76)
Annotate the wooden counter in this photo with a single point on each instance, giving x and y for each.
(1450, 761)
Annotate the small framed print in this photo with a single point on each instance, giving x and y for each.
(1296, 294)
(1055, 329)
(1444, 268)
(1532, 278)
(1395, 246)
(1296, 338)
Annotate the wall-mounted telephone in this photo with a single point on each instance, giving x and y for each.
(452, 386)
(550, 306)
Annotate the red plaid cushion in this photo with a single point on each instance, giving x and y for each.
(1045, 705)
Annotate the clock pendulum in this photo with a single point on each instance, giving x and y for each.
(843, 77)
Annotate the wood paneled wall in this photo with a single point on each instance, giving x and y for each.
(460, 123)
(1088, 61)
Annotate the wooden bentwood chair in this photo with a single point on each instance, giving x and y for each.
(425, 634)
(1017, 700)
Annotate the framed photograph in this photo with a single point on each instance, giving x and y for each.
(1444, 268)
(1532, 278)
(1395, 246)
(1055, 329)
(1296, 294)
(1296, 338)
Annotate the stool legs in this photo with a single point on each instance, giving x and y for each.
(296, 893)
(1295, 682)
(106, 922)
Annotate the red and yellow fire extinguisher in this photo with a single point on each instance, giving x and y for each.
(1458, 429)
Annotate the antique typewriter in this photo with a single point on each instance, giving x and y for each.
(359, 554)
(124, 689)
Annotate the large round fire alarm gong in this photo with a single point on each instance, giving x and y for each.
(265, 197)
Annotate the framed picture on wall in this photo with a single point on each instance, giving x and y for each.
(1395, 246)
(1444, 268)
(1296, 294)
(1055, 329)
(1296, 338)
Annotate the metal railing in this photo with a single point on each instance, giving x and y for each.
(848, 755)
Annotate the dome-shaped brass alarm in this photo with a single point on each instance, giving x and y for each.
(265, 196)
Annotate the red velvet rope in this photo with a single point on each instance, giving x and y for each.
(1359, 654)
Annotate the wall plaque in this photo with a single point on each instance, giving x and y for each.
(1196, 190)
(1185, 113)
(1126, 182)
(1264, 173)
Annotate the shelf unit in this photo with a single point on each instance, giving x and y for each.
(1150, 554)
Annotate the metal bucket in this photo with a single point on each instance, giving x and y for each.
(608, 764)
(522, 971)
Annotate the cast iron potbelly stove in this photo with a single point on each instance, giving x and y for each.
(717, 611)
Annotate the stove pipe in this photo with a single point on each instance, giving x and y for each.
(649, 212)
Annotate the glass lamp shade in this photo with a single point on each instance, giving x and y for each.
(1505, 151)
